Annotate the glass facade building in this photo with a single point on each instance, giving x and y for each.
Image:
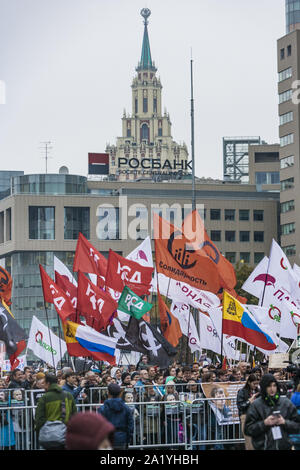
(292, 11)
(49, 184)
(5, 177)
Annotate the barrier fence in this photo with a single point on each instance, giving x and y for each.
(179, 420)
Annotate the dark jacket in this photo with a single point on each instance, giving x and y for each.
(260, 409)
(14, 384)
(75, 391)
(120, 415)
(242, 400)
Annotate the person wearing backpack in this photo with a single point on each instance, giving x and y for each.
(54, 409)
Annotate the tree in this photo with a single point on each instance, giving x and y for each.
(243, 271)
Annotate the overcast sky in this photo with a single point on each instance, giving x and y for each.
(68, 67)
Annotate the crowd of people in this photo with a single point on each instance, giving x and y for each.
(100, 406)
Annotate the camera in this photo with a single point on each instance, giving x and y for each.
(294, 370)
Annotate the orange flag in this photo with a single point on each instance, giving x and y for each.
(194, 230)
(170, 326)
(176, 258)
(5, 286)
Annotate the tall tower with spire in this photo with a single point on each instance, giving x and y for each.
(146, 148)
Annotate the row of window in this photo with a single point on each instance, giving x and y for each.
(287, 206)
(244, 214)
(244, 256)
(287, 162)
(267, 177)
(287, 229)
(286, 140)
(285, 96)
(284, 74)
(289, 250)
(230, 236)
(287, 184)
(286, 117)
(288, 52)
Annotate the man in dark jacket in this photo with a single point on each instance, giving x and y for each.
(16, 379)
(120, 415)
(271, 418)
(71, 385)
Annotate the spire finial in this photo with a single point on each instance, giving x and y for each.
(145, 12)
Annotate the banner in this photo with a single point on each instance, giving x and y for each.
(45, 344)
(132, 304)
(223, 400)
(176, 258)
(123, 272)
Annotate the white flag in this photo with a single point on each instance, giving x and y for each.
(62, 269)
(277, 294)
(254, 285)
(49, 348)
(142, 254)
(187, 324)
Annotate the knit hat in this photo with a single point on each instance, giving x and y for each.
(114, 390)
(86, 431)
(40, 375)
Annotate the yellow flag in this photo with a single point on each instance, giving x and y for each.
(232, 309)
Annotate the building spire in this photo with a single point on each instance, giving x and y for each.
(146, 62)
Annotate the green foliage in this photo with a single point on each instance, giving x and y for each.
(243, 271)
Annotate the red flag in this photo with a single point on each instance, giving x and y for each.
(87, 259)
(96, 305)
(55, 295)
(177, 259)
(14, 362)
(124, 272)
(70, 290)
(5, 286)
(224, 365)
(170, 326)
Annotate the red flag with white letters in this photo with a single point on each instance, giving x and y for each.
(96, 305)
(70, 289)
(53, 294)
(123, 272)
(87, 259)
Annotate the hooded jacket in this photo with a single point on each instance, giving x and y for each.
(120, 415)
(261, 408)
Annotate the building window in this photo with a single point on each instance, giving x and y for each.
(231, 256)
(244, 214)
(8, 224)
(245, 256)
(287, 206)
(77, 219)
(215, 214)
(287, 229)
(155, 105)
(215, 235)
(287, 184)
(145, 132)
(108, 223)
(2, 227)
(284, 74)
(244, 236)
(267, 177)
(136, 105)
(289, 250)
(229, 214)
(286, 140)
(281, 54)
(285, 96)
(258, 237)
(230, 236)
(159, 132)
(286, 117)
(145, 102)
(289, 50)
(41, 223)
(287, 162)
(258, 256)
(258, 215)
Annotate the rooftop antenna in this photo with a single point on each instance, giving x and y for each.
(46, 148)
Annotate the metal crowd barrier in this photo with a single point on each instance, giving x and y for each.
(190, 422)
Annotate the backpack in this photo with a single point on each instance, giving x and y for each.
(53, 433)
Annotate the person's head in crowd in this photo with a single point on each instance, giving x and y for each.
(91, 379)
(179, 375)
(17, 394)
(277, 373)
(159, 379)
(71, 379)
(49, 380)
(135, 377)
(222, 375)
(170, 387)
(128, 397)
(209, 377)
(144, 359)
(144, 376)
(117, 374)
(89, 431)
(269, 389)
(218, 392)
(204, 370)
(192, 386)
(66, 369)
(252, 383)
(149, 390)
(186, 373)
(28, 372)
(17, 376)
(131, 368)
(2, 383)
(195, 375)
(114, 390)
(257, 371)
(242, 366)
(40, 380)
(151, 372)
(126, 378)
(172, 371)
(195, 367)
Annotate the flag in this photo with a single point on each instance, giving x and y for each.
(198, 239)
(123, 272)
(277, 292)
(181, 312)
(5, 286)
(87, 259)
(176, 258)
(96, 305)
(142, 254)
(169, 324)
(116, 329)
(132, 304)
(11, 334)
(45, 344)
(53, 294)
(238, 322)
(70, 290)
(61, 268)
(224, 364)
(255, 283)
(147, 338)
(84, 341)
